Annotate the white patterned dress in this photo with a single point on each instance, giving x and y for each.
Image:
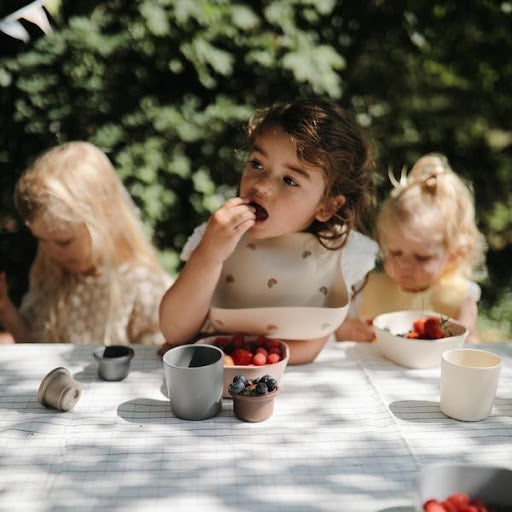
(89, 319)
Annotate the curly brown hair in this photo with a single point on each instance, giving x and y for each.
(328, 137)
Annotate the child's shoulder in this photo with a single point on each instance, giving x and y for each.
(358, 257)
(135, 273)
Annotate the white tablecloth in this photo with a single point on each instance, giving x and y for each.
(349, 433)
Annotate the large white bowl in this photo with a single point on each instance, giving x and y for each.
(438, 481)
(410, 352)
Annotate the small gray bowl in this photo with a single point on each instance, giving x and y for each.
(113, 361)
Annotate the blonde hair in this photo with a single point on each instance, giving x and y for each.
(434, 199)
(76, 184)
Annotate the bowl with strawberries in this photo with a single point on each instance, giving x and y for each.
(445, 487)
(416, 339)
(250, 355)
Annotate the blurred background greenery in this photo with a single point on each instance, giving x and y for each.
(165, 87)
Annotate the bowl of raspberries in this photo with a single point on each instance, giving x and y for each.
(445, 487)
(253, 399)
(251, 356)
(416, 339)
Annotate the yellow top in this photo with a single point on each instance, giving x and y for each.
(382, 295)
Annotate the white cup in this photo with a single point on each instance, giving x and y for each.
(469, 380)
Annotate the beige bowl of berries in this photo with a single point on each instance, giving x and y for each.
(251, 356)
(416, 339)
(253, 399)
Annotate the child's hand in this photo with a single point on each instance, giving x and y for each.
(225, 228)
(355, 329)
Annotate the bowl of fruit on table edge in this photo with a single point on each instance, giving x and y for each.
(250, 355)
(416, 339)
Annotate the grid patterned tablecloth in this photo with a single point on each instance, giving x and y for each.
(349, 433)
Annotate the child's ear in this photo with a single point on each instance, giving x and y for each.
(329, 208)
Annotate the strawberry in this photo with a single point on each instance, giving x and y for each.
(242, 357)
(259, 359)
(412, 334)
(262, 351)
(418, 326)
(467, 508)
(433, 506)
(275, 350)
(273, 358)
(434, 328)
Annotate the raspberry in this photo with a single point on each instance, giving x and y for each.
(273, 358)
(260, 341)
(271, 343)
(238, 340)
(433, 506)
(221, 342)
(458, 499)
(242, 357)
(449, 506)
(259, 359)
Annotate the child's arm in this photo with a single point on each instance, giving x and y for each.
(10, 317)
(467, 316)
(186, 303)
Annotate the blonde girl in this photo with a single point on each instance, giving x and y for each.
(431, 246)
(96, 278)
(306, 186)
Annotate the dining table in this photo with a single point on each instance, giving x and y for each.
(349, 432)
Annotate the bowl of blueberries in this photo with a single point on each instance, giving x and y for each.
(253, 400)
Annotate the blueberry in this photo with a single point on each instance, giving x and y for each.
(261, 388)
(242, 379)
(238, 387)
(271, 384)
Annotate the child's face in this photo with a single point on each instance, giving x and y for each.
(69, 246)
(286, 192)
(414, 261)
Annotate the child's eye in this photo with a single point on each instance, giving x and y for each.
(290, 181)
(256, 164)
(422, 259)
(395, 254)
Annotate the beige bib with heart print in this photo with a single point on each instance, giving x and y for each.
(289, 287)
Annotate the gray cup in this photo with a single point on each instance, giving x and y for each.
(194, 378)
(113, 361)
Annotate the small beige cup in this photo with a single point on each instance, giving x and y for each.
(469, 380)
(59, 390)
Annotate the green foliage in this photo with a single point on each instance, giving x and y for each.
(165, 87)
